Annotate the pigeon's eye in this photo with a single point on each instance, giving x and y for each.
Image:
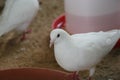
(58, 35)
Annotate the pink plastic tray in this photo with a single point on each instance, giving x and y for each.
(34, 74)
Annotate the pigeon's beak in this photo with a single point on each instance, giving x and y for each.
(51, 43)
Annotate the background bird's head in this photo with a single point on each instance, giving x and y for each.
(58, 35)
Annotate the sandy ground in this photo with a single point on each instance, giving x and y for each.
(35, 51)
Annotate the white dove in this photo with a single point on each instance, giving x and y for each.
(83, 51)
(17, 15)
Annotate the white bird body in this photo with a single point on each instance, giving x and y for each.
(17, 15)
(80, 52)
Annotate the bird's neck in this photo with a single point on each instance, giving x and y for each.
(67, 37)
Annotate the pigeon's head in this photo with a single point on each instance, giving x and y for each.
(57, 35)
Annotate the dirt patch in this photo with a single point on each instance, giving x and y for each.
(35, 51)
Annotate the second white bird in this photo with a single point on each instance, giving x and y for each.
(80, 52)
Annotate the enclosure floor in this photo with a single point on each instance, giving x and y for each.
(35, 51)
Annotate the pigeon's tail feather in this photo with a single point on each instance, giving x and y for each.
(4, 28)
(114, 35)
(1, 30)
(119, 33)
(118, 42)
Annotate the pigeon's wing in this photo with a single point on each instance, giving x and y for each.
(94, 46)
(97, 40)
(22, 11)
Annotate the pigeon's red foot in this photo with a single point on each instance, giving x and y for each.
(24, 37)
(74, 76)
(89, 78)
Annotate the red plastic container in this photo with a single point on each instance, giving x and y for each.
(60, 23)
(33, 74)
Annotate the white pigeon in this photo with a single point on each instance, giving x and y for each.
(17, 15)
(83, 51)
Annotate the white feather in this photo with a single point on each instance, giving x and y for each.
(82, 51)
(18, 14)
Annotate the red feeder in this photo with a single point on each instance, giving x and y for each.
(33, 74)
(60, 23)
